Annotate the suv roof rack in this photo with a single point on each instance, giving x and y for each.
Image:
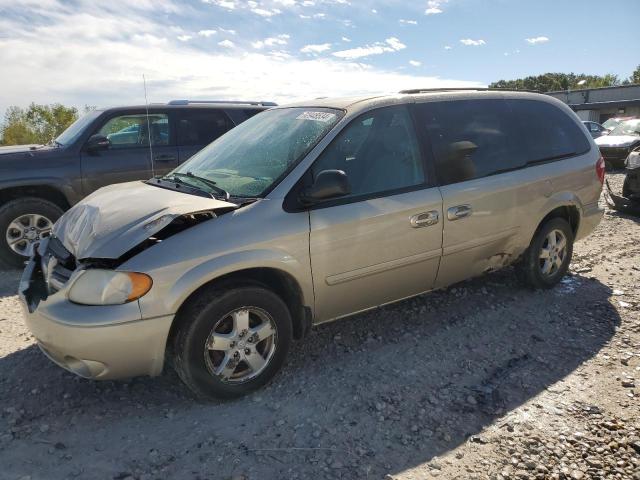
(224, 102)
(462, 89)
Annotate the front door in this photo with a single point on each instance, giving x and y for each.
(129, 155)
(383, 241)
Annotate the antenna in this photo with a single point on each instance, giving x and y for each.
(146, 102)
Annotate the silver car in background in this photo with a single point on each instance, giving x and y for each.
(305, 214)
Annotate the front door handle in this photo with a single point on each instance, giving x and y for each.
(458, 212)
(425, 219)
(165, 158)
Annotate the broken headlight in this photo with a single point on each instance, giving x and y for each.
(108, 287)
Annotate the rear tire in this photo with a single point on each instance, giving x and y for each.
(544, 263)
(14, 227)
(211, 354)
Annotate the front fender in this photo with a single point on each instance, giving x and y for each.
(169, 296)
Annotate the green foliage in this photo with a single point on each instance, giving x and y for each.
(635, 76)
(36, 124)
(549, 82)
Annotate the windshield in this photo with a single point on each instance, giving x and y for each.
(76, 128)
(611, 123)
(252, 157)
(629, 127)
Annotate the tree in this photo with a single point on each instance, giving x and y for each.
(549, 82)
(635, 76)
(36, 124)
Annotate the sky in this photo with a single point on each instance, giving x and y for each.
(95, 52)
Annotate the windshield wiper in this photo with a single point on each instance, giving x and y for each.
(210, 183)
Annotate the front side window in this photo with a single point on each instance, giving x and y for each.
(126, 131)
(201, 127)
(378, 151)
(252, 157)
(470, 138)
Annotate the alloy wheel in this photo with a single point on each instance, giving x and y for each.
(553, 252)
(24, 232)
(240, 345)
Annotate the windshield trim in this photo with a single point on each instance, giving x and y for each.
(341, 112)
(84, 121)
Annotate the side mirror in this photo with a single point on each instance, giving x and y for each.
(98, 142)
(329, 184)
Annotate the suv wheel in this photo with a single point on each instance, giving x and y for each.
(231, 342)
(23, 222)
(547, 259)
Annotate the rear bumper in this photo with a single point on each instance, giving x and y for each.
(97, 342)
(591, 215)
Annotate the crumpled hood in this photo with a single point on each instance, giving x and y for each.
(114, 219)
(616, 141)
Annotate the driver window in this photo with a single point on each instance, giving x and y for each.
(128, 131)
(378, 151)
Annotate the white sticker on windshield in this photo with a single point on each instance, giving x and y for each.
(317, 116)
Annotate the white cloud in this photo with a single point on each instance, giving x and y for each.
(227, 44)
(434, 7)
(448, 47)
(230, 32)
(207, 33)
(271, 41)
(415, 63)
(407, 22)
(318, 48)
(471, 42)
(391, 44)
(184, 38)
(105, 54)
(536, 40)
(345, 39)
(228, 4)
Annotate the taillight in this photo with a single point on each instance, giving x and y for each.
(600, 169)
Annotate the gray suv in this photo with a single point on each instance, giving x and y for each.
(306, 214)
(39, 182)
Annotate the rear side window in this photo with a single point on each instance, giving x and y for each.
(471, 138)
(249, 112)
(546, 132)
(201, 127)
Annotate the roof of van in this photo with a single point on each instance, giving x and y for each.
(412, 96)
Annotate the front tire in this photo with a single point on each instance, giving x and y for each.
(231, 342)
(547, 259)
(24, 222)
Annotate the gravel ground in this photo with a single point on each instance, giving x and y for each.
(485, 380)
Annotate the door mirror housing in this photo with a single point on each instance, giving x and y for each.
(328, 184)
(98, 142)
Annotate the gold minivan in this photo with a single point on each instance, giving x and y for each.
(304, 214)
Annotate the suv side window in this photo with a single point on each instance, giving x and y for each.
(201, 127)
(126, 131)
(470, 138)
(547, 132)
(378, 151)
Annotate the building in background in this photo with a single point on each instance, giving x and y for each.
(600, 104)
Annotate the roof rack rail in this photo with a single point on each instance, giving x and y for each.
(462, 89)
(224, 102)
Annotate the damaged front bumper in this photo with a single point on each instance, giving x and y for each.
(629, 201)
(97, 342)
